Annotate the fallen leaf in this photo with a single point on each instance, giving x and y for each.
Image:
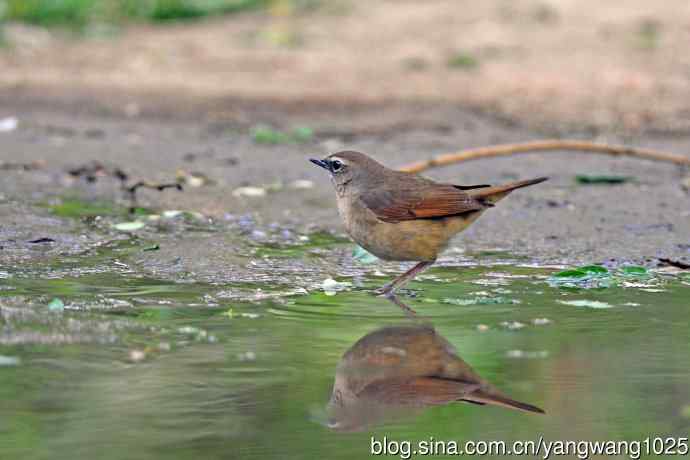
(56, 305)
(363, 256)
(633, 270)
(585, 179)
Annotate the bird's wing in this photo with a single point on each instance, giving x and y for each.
(417, 391)
(419, 200)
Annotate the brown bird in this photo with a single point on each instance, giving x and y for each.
(398, 369)
(403, 216)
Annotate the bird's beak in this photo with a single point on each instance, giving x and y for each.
(324, 164)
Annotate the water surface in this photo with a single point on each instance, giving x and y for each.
(142, 368)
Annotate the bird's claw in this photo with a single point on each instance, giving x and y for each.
(384, 291)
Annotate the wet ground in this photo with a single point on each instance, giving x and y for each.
(209, 322)
(640, 220)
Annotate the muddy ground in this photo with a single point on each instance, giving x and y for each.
(155, 101)
(556, 222)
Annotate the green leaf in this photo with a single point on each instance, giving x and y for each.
(154, 247)
(633, 270)
(594, 270)
(302, 134)
(575, 273)
(266, 135)
(585, 179)
(363, 256)
(463, 60)
(56, 305)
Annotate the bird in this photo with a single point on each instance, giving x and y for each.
(397, 370)
(402, 216)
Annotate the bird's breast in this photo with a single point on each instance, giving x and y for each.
(410, 240)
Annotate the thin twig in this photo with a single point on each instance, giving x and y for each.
(542, 146)
(131, 191)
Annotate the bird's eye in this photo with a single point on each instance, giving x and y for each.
(336, 165)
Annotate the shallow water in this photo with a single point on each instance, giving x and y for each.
(142, 368)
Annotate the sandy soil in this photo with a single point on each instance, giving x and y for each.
(620, 65)
(371, 76)
(558, 221)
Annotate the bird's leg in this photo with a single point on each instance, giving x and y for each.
(389, 289)
(408, 311)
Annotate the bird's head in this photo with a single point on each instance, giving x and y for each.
(349, 168)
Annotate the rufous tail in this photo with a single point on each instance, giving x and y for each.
(496, 192)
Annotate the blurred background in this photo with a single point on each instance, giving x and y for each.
(175, 281)
(619, 65)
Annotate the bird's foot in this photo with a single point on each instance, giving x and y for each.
(385, 291)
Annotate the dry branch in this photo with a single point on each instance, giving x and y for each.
(544, 146)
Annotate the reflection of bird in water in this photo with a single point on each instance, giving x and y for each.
(397, 369)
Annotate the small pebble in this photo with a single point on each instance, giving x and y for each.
(513, 325)
(10, 360)
(247, 356)
(331, 287)
(249, 191)
(541, 321)
(137, 356)
(519, 354)
(302, 184)
(8, 124)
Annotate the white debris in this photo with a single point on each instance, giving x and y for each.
(541, 321)
(586, 303)
(10, 361)
(331, 286)
(513, 325)
(8, 124)
(247, 356)
(129, 226)
(302, 184)
(137, 356)
(521, 354)
(249, 191)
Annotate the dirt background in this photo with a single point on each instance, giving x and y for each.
(620, 64)
(400, 80)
